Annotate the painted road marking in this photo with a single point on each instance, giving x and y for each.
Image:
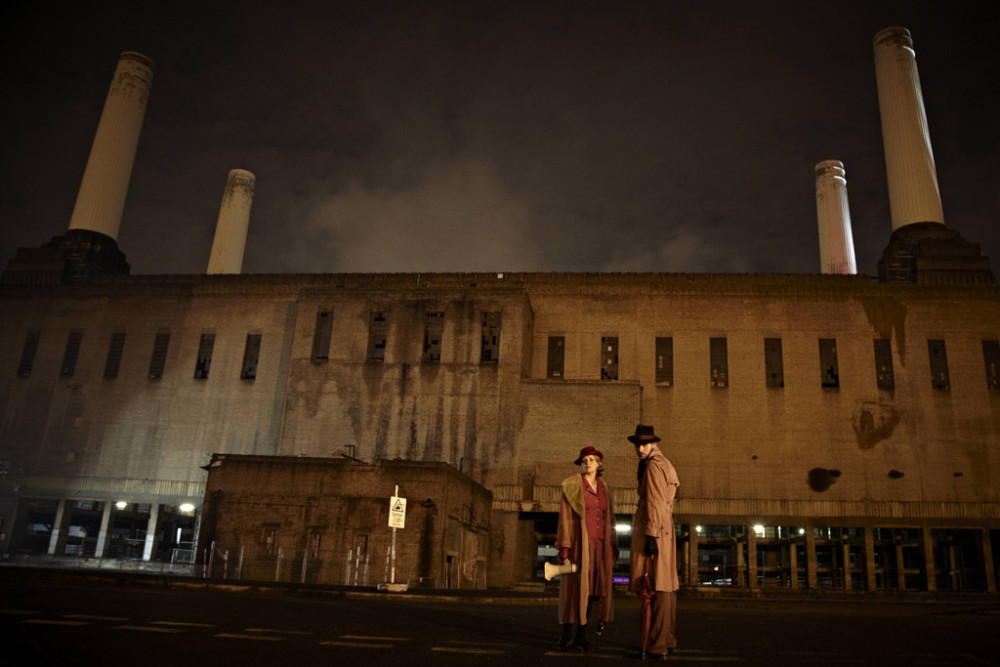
(356, 644)
(377, 639)
(88, 617)
(146, 628)
(259, 638)
(183, 624)
(277, 631)
(472, 651)
(45, 621)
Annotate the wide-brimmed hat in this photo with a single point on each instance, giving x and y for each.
(588, 451)
(643, 435)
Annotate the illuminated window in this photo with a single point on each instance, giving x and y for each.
(774, 370)
(114, 361)
(719, 362)
(609, 357)
(665, 362)
(939, 365)
(829, 373)
(71, 354)
(557, 345)
(204, 360)
(884, 376)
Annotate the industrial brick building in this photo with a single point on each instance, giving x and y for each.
(829, 430)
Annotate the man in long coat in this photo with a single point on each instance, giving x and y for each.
(654, 543)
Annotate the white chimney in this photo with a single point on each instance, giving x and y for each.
(913, 186)
(234, 219)
(836, 242)
(101, 198)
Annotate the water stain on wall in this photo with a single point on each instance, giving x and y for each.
(821, 479)
(872, 426)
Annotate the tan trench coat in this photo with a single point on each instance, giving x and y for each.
(574, 589)
(654, 515)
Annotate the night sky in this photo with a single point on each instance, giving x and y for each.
(501, 136)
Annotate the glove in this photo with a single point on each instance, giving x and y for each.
(564, 554)
(650, 548)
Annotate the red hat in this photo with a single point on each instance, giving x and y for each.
(588, 451)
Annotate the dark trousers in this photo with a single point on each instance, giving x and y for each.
(663, 625)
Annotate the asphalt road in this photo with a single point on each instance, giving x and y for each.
(111, 624)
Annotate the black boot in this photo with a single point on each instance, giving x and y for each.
(566, 640)
(581, 643)
(600, 631)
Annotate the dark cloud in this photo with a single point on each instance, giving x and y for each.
(448, 136)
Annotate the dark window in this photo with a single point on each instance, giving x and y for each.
(204, 361)
(719, 361)
(884, 376)
(991, 357)
(159, 359)
(829, 373)
(433, 331)
(250, 355)
(939, 365)
(665, 361)
(609, 357)
(28, 354)
(774, 368)
(377, 326)
(114, 360)
(491, 338)
(322, 335)
(557, 347)
(71, 354)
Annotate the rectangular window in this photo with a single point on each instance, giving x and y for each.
(609, 357)
(557, 346)
(250, 355)
(158, 361)
(71, 354)
(884, 376)
(491, 338)
(719, 360)
(829, 373)
(114, 360)
(28, 354)
(204, 361)
(939, 365)
(774, 368)
(322, 335)
(433, 331)
(268, 539)
(377, 327)
(665, 362)
(991, 358)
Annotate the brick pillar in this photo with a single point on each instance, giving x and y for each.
(986, 548)
(810, 558)
(870, 558)
(740, 565)
(928, 544)
(149, 548)
(752, 558)
(102, 535)
(692, 560)
(793, 563)
(900, 573)
(845, 557)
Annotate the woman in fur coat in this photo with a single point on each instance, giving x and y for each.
(586, 537)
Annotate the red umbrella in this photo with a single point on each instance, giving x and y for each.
(645, 589)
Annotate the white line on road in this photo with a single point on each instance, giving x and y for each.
(378, 639)
(356, 644)
(473, 651)
(46, 621)
(458, 641)
(259, 638)
(278, 632)
(183, 624)
(146, 628)
(88, 617)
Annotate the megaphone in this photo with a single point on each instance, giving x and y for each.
(552, 571)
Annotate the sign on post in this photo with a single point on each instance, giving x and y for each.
(397, 512)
